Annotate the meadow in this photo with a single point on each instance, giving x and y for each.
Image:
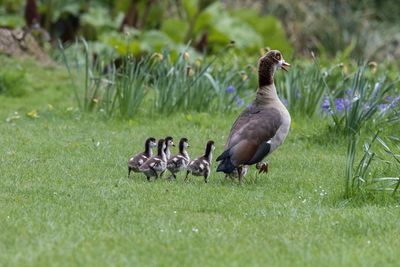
(66, 199)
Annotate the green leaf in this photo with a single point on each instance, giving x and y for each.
(268, 27)
(191, 7)
(170, 27)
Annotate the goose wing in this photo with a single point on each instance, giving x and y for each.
(248, 140)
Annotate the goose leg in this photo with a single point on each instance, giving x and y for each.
(206, 174)
(173, 175)
(161, 174)
(239, 170)
(187, 173)
(154, 171)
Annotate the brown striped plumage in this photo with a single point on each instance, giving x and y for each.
(180, 161)
(156, 165)
(202, 165)
(136, 161)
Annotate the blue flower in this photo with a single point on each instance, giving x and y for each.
(239, 102)
(394, 102)
(348, 92)
(230, 89)
(285, 102)
(341, 103)
(383, 107)
(326, 105)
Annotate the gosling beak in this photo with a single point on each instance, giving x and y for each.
(285, 65)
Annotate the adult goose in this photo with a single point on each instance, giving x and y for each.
(136, 161)
(261, 127)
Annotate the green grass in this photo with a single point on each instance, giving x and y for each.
(64, 201)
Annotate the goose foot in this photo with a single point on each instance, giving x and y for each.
(262, 167)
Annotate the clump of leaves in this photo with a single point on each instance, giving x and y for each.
(360, 106)
(12, 81)
(388, 156)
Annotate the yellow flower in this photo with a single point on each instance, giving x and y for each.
(13, 117)
(373, 66)
(33, 114)
(243, 75)
(186, 56)
(198, 62)
(158, 56)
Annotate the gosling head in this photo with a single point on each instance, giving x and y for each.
(183, 143)
(151, 142)
(169, 141)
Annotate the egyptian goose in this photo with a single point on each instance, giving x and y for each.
(181, 160)
(261, 127)
(156, 165)
(202, 165)
(136, 161)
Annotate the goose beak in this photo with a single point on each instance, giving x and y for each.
(285, 65)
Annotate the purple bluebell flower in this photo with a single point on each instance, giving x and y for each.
(230, 89)
(394, 102)
(326, 105)
(383, 107)
(348, 92)
(284, 101)
(239, 102)
(389, 98)
(341, 104)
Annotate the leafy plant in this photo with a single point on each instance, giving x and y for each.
(181, 85)
(359, 105)
(385, 155)
(132, 79)
(87, 79)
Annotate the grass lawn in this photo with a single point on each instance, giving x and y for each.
(65, 199)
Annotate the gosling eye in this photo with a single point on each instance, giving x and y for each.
(278, 56)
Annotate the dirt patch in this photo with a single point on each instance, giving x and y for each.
(19, 43)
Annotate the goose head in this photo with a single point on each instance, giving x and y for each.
(183, 144)
(169, 141)
(151, 142)
(210, 147)
(268, 65)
